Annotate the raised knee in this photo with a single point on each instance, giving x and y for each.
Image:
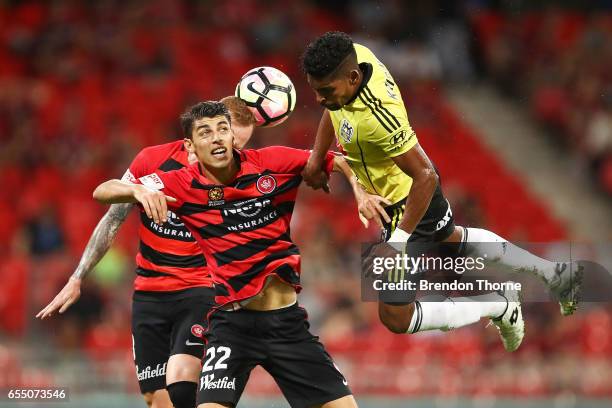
(396, 326)
(396, 318)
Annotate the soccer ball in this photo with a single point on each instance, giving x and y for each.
(269, 93)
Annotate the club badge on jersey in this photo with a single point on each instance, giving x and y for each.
(216, 196)
(346, 131)
(266, 184)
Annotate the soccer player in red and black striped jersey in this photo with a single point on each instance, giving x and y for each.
(173, 287)
(238, 206)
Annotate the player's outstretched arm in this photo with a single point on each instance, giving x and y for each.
(416, 164)
(117, 191)
(99, 243)
(153, 202)
(313, 173)
(369, 206)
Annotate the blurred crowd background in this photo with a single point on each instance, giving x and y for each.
(85, 85)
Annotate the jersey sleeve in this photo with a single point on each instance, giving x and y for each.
(288, 160)
(392, 132)
(172, 183)
(139, 167)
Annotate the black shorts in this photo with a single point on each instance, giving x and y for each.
(436, 225)
(279, 341)
(164, 324)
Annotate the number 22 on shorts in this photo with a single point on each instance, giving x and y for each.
(211, 353)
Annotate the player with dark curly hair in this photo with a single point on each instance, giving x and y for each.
(365, 111)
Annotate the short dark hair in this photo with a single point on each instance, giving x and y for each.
(206, 109)
(326, 53)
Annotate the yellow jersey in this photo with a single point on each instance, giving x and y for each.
(373, 127)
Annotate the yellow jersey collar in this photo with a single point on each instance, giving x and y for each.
(366, 70)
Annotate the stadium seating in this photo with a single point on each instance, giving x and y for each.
(74, 110)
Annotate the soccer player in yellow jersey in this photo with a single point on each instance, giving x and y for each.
(365, 112)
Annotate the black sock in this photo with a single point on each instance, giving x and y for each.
(183, 394)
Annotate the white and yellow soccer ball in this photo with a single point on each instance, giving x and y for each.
(269, 93)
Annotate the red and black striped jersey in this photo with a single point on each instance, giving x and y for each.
(169, 258)
(243, 226)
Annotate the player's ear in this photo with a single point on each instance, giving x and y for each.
(353, 76)
(188, 143)
(242, 135)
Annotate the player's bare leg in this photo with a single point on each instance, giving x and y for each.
(182, 377)
(183, 367)
(214, 405)
(157, 399)
(396, 318)
(344, 402)
(456, 236)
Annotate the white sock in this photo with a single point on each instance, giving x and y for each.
(456, 312)
(480, 242)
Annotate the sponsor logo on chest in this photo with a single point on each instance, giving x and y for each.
(174, 220)
(172, 228)
(249, 208)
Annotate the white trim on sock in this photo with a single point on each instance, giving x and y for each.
(456, 312)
